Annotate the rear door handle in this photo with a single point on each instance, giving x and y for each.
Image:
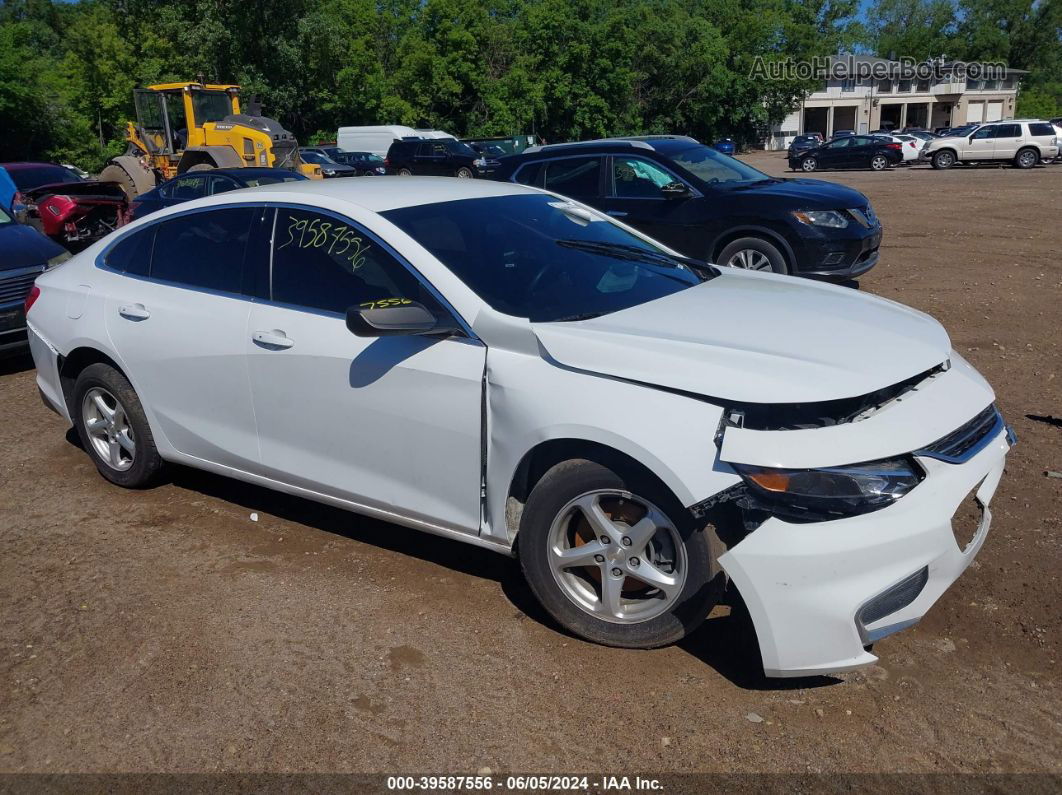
(134, 312)
(275, 339)
(616, 213)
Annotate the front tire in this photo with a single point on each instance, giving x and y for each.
(464, 173)
(405, 172)
(614, 558)
(113, 428)
(944, 159)
(754, 254)
(809, 164)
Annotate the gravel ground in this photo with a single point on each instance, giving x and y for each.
(167, 631)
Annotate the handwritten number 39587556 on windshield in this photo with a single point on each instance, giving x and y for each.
(338, 239)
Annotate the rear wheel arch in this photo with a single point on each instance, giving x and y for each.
(71, 365)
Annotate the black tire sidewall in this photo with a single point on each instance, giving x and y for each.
(937, 160)
(464, 170)
(146, 463)
(556, 489)
(777, 259)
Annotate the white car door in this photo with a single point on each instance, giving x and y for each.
(981, 145)
(1008, 140)
(393, 423)
(177, 319)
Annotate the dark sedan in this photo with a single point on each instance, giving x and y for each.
(851, 151)
(330, 169)
(802, 143)
(197, 184)
(24, 254)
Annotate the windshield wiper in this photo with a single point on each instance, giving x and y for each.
(635, 254)
(579, 316)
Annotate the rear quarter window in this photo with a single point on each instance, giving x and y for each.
(1042, 128)
(132, 254)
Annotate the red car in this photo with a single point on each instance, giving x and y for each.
(72, 211)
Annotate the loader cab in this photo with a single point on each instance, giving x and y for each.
(170, 117)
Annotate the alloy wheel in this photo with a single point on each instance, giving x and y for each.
(878, 163)
(617, 556)
(808, 164)
(109, 429)
(1027, 159)
(750, 259)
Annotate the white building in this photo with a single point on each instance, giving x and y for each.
(865, 104)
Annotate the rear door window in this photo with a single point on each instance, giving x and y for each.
(203, 250)
(1008, 130)
(574, 176)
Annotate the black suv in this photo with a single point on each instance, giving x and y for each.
(434, 157)
(707, 205)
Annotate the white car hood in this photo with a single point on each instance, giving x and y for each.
(755, 338)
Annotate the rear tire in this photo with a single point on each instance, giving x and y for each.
(753, 253)
(648, 534)
(200, 167)
(1026, 158)
(113, 428)
(879, 163)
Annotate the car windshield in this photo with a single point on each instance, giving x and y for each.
(544, 258)
(273, 179)
(210, 106)
(34, 176)
(711, 165)
(310, 156)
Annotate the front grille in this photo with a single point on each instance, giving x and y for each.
(966, 441)
(15, 285)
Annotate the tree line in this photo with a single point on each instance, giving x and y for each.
(564, 69)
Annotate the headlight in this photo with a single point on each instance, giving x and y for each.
(479, 162)
(331, 172)
(58, 259)
(830, 218)
(832, 492)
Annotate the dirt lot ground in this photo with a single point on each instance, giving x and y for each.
(167, 631)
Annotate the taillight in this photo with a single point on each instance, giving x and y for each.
(893, 146)
(31, 298)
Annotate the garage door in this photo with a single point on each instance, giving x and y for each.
(994, 111)
(975, 113)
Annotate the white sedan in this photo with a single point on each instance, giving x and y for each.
(910, 146)
(510, 368)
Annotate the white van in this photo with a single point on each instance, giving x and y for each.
(378, 139)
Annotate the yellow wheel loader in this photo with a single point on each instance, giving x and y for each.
(192, 127)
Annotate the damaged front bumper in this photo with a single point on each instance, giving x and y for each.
(819, 593)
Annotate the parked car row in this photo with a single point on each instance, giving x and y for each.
(396, 347)
(1021, 142)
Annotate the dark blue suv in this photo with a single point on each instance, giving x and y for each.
(709, 206)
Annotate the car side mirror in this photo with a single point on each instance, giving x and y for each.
(393, 321)
(675, 190)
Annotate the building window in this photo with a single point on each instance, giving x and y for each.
(884, 86)
(905, 86)
(973, 85)
(848, 84)
(923, 86)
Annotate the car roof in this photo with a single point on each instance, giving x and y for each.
(376, 195)
(30, 164)
(657, 143)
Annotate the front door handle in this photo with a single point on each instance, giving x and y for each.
(616, 213)
(275, 339)
(134, 312)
